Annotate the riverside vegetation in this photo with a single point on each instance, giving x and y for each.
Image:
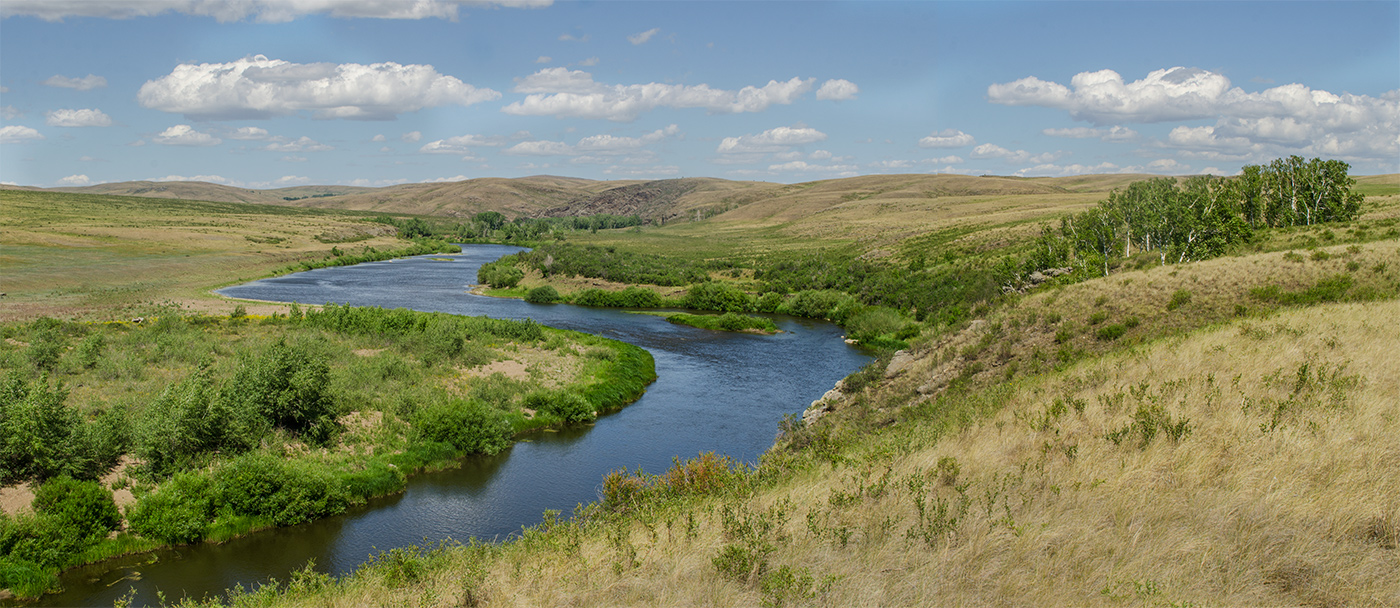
(223, 425)
(1217, 431)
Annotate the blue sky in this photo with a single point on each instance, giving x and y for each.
(264, 93)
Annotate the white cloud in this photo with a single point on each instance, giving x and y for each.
(460, 144)
(1051, 170)
(264, 11)
(411, 137)
(443, 180)
(1212, 171)
(820, 155)
(544, 59)
(185, 135)
(286, 180)
(1014, 156)
(643, 37)
(799, 166)
(301, 144)
(385, 150)
(85, 83)
(947, 138)
(77, 118)
(1287, 119)
(1168, 165)
(10, 112)
(248, 133)
(258, 87)
(75, 180)
(379, 137)
(590, 62)
(655, 171)
(292, 159)
(593, 145)
(214, 179)
(1117, 133)
(14, 134)
(837, 90)
(561, 92)
(773, 140)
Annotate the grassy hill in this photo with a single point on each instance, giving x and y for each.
(78, 255)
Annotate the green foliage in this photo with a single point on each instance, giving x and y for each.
(1330, 289)
(89, 351)
(186, 420)
(420, 246)
(713, 295)
(632, 297)
(500, 274)
(543, 294)
(726, 322)
(1111, 332)
(179, 512)
(84, 509)
(472, 427)
(23, 577)
(1149, 420)
(1180, 298)
(42, 437)
(608, 263)
(284, 492)
(569, 407)
(288, 387)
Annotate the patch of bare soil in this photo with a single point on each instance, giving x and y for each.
(16, 499)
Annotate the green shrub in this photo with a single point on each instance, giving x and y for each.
(713, 295)
(1098, 317)
(543, 294)
(83, 508)
(186, 420)
(567, 406)
(288, 386)
(874, 321)
(768, 302)
(25, 578)
(500, 274)
(632, 297)
(41, 436)
(468, 425)
(1111, 332)
(1180, 298)
(89, 351)
(180, 511)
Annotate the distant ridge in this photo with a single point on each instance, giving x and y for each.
(661, 201)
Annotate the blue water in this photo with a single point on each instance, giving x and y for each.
(715, 391)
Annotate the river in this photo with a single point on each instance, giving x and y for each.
(715, 391)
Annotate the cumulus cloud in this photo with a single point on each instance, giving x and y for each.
(1168, 165)
(773, 140)
(15, 134)
(85, 83)
(444, 180)
(985, 151)
(604, 145)
(1117, 133)
(185, 135)
(837, 90)
(213, 179)
(544, 59)
(10, 112)
(561, 92)
(287, 180)
(947, 138)
(249, 133)
(258, 87)
(1053, 170)
(799, 166)
(1287, 119)
(591, 61)
(461, 144)
(411, 137)
(379, 137)
(75, 180)
(643, 37)
(264, 11)
(77, 118)
(301, 144)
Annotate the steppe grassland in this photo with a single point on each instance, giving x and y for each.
(72, 255)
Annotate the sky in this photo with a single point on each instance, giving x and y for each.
(275, 93)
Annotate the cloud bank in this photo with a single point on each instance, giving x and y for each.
(258, 87)
(263, 11)
(565, 93)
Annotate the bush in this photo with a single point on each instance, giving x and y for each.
(180, 511)
(632, 297)
(468, 425)
(544, 294)
(41, 437)
(1180, 298)
(1111, 332)
(288, 387)
(83, 508)
(816, 304)
(874, 321)
(713, 295)
(500, 274)
(568, 407)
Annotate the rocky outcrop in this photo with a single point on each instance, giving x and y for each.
(828, 402)
(1022, 285)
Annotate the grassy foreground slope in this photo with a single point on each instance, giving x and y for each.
(78, 254)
